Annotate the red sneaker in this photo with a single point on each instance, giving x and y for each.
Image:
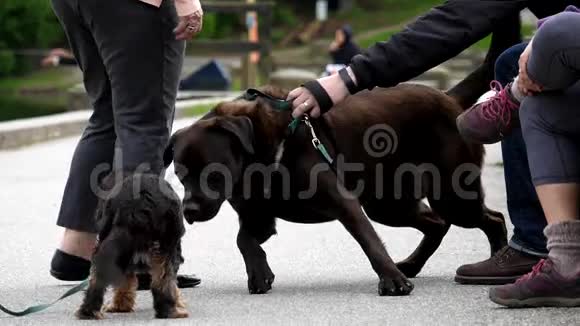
(542, 287)
(492, 118)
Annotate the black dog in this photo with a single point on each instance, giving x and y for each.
(140, 228)
(217, 156)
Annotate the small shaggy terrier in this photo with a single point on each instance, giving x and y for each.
(140, 225)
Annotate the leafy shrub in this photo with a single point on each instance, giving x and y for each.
(26, 24)
(284, 16)
(220, 25)
(7, 61)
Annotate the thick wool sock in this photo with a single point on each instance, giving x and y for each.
(515, 91)
(564, 247)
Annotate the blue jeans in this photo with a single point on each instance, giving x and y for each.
(524, 208)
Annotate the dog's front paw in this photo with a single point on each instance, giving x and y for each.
(173, 314)
(260, 280)
(408, 268)
(89, 315)
(118, 308)
(179, 313)
(394, 286)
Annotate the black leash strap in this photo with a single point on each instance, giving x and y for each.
(41, 307)
(279, 105)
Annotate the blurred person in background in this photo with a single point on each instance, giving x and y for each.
(341, 50)
(57, 57)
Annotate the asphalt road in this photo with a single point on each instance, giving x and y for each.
(322, 276)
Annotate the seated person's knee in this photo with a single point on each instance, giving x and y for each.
(530, 112)
(559, 31)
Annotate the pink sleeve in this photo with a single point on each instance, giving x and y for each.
(187, 7)
(568, 9)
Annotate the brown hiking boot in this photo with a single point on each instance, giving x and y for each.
(505, 267)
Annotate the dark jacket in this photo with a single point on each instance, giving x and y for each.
(443, 33)
(344, 54)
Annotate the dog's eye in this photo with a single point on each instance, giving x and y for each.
(186, 194)
(181, 171)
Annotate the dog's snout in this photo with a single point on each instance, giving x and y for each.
(201, 211)
(190, 211)
(191, 207)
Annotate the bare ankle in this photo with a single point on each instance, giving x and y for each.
(76, 243)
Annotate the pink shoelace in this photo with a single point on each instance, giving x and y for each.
(499, 107)
(537, 269)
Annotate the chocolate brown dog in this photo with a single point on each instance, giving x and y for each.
(140, 226)
(391, 149)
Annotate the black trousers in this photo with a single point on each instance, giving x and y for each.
(131, 64)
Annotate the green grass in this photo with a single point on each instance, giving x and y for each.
(16, 104)
(384, 36)
(198, 110)
(54, 78)
(12, 107)
(389, 13)
(527, 32)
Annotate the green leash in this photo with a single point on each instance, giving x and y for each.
(282, 105)
(34, 309)
(318, 145)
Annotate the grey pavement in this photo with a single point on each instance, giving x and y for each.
(322, 276)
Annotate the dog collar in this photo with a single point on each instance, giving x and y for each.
(253, 94)
(282, 105)
(277, 104)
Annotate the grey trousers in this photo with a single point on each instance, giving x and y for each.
(131, 64)
(551, 120)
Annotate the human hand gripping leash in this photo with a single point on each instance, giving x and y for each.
(282, 105)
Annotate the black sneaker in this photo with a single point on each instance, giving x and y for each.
(69, 268)
(183, 281)
(66, 267)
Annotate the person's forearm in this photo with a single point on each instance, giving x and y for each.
(439, 35)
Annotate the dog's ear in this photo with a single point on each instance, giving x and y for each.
(241, 127)
(169, 152)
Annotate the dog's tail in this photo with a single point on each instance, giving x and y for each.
(112, 256)
(475, 84)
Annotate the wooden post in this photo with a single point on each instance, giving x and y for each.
(255, 50)
(250, 61)
(245, 72)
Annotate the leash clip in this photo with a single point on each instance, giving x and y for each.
(315, 141)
